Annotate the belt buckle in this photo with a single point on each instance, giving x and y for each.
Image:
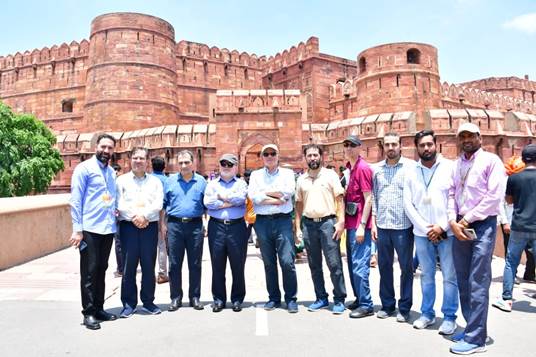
(317, 220)
(227, 221)
(185, 219)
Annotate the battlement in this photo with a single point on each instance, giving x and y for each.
(293, 55)
(203, 51)
(497, 83)
(257, 100)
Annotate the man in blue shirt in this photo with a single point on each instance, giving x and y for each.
(183, 200)
(225, 198)
(93, 203)
(159, 164)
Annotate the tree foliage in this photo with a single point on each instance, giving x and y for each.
(28, 160)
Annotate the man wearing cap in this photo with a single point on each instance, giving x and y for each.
(521, 193)
(183, 200)
(271, 189)
(358, 204)
(225, 199)
(320, 212)
(473, 206)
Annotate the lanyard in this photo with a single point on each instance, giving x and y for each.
(427, 184)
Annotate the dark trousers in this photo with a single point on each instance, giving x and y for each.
(228, 241)
(185, 237)
(118, 254)
(401, 241)
(276, 240)
(93, 265)
(472, 261)
(138, 247)
(530, 268)
(317, 237)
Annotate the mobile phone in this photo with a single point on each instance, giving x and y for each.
(83, 245)
(470, 233)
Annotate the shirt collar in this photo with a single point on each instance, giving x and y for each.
(402, 161)
(438, 161)
(101, 165)
(231, 180)
(473, 157)
(138, 178)
(268, 172)
(179, 177)
(322, 170)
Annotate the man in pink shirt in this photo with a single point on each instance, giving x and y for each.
(473, 206)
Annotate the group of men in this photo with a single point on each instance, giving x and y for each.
(446, 209)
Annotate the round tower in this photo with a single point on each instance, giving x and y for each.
(398, 77)
(131, 77)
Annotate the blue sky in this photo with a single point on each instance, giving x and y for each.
(475, 38)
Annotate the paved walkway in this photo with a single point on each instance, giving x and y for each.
(40, 316)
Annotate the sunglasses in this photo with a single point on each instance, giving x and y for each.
(266, 154)
(352, 145)
(226, 164)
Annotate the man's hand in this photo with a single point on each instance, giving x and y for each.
(298, 237)
(273, 201)
(339, 228)
(374, 232)
(360, 234)
(434, 233)
(140, 222)
(457, 229)
(506, 228)
(275, 194)
(75, 239)
(163, 230)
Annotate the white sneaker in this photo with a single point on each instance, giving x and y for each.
(423, 322)
(504, 305)
(448, 327)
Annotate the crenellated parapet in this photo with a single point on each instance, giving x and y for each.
(293, 55)
(204, 52)
(257, 100)
(521, 88)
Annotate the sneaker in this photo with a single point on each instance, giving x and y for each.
(400, 317)
(458, 337)
(465, 348)
(162, 278)
(292, 307)
(338, 308)
(448, 327)
(361, 312)
(318, 304)
(504, 305)
(151, 309)
(382, 314)
(271, 305)
(422, 322)
(127, 312)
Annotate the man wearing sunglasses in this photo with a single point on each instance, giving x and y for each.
(271, 189)
(225, 199)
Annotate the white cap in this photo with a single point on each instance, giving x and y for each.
(470, 127)
(269, 146)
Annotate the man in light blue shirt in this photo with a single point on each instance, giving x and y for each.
(93, 204)
(225, 199)
(183, 201)
(271, 189)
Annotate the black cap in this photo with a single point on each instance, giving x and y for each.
(230, 158)
(353, 139)
(528, 155)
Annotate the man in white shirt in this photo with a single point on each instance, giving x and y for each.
(140, 199)
(426, 190)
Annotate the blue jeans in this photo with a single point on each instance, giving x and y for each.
(388, 241)
(359, 258)
(276, 239)
(317, 237)
(427, 253)
(517, 243)
(472, 260)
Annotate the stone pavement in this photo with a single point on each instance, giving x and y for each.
(40, 316)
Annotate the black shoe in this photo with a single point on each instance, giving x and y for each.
(237, 306)
(91, 322)
(196, 304)
(175, 304)
(361, 312)
(105, 316)
(353, 305)
(218, 306)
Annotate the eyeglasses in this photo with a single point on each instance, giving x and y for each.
(226, 164)
(352, 145)
(184, 163)
(266, 154)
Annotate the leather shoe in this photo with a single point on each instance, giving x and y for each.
(105, 316)
(354, 305)
(175, 304)
(237, 306)
(91, 322)
(196, 304)
(218, 306)
(360, 313)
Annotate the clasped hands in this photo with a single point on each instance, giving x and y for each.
(140, 221)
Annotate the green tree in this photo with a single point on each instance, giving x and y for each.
(28, 160)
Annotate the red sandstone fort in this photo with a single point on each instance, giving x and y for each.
(133, 80)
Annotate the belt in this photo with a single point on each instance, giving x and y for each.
(275, 215)
(184, 219)
(228, 222)
(321, 219)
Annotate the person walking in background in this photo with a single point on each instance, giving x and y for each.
(117, 242)
(158, 165)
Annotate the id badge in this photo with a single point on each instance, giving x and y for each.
(427, 200)
(106, 199)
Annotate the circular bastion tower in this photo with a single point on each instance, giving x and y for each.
(398, 77)
(131, 76)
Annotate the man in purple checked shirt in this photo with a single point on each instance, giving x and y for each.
(473, 206)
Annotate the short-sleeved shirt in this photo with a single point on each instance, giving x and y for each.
(185, 199)
(360, 181)
(318, 193)
(521, 187)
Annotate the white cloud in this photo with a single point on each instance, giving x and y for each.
(524, 23)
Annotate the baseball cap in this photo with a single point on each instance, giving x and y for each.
(529, 153)
(354, 139)
(470, 127)
(230, 158)
(269, 146)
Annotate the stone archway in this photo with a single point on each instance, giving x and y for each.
(250, 148)
(252, 159)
